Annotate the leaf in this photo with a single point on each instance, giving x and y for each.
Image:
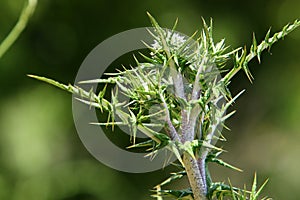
(109, 80)
(108, 123)
(242, 62)
(153, 21)
(159, 138)
(174, 149)
(178, 194)
(210, 146)
(221, 190)
(232, 191)
(133, 125)
(253, 189)
(188, 147)
(254, 47)
(261, 188)
(173, 177)
(221, 162)
(228, 115)
(51, 82)
(148, 143)
(229, 103)
(90, 103)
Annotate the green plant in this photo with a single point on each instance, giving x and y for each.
(183, 77)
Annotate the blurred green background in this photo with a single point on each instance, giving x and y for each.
(41, 156)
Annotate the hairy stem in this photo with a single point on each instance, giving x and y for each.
(196, 180)
(173, 133)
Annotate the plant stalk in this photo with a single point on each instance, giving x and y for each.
(196, 180)
(25, 15)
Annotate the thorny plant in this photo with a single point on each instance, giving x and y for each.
(182, 76)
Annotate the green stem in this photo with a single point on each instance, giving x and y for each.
(26, 13)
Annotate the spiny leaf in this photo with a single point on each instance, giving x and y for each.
(148, 143)
(173, 177)
(260, 189)
(234, 197)
(109, 80)
(90, 103)
(108, 123)
(157, 137)
(253, 189)
(133, 125)
(228, 116)
(265, 44)
(221, 162)
(254, 48)
(72, 89)
(51, 82)
(221, 190)
(178, 194)
(267, 36)
(229, 103)
(153, 21)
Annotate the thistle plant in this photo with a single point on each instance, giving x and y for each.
(188, 79)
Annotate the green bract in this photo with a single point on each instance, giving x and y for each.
(187, 78)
